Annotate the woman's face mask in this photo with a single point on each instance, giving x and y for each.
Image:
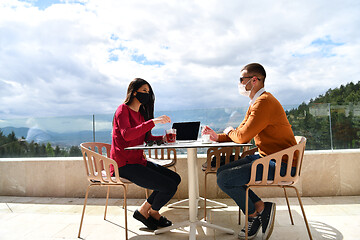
(242, 89)
(143, 98)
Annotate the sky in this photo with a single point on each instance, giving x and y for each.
(63, 58)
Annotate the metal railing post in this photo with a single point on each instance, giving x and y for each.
(94, 127)
(331, 139)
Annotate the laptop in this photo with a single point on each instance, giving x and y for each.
(186, 131)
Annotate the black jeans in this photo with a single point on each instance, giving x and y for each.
(162, 180)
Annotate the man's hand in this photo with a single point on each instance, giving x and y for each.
(209, 131)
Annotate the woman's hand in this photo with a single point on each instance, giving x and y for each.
(209, 131)
(162, 119)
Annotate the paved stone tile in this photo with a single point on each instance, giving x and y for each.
(335, 218)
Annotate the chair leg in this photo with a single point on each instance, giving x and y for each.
(205, 197)
(303, 211)
(246, 212)
(288, 204)
(146, 193)
(107, 200)
(239, 222)
(83, 212)
(178, 192)
(125, 214)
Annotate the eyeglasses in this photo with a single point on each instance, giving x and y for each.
(243, 78)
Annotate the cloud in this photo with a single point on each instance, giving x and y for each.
(77, 57)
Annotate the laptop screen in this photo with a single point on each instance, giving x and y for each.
(186, 130)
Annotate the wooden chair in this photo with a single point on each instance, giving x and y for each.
(217, 152)
(160, 159)
(283, 182)
(97, 166)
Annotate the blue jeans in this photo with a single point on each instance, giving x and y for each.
(233, 176)
(162, 180)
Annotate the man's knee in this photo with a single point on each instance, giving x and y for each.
(221, 179)
(219, 170)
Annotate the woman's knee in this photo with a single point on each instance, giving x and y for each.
(172, 188)
(177, 179)
(171, 185)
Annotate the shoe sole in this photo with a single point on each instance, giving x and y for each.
(249, 237)
(138, 216)
(242, 238)
(159, 224)
(269, 231)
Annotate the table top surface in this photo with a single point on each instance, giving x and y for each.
(189, 144)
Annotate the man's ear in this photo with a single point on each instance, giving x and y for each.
(254, 79)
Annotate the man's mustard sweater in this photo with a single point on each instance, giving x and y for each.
(266, 122)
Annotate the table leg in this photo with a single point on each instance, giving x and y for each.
(176, 204)
(193, 201)
(191, 155)
(215, 206)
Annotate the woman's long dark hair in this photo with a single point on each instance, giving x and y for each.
(147, 110)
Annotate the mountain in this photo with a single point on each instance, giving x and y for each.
(19, 132)
(310, 120)
(57, 139)
(216, 118)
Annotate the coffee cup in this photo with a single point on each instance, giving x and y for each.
(205, 138)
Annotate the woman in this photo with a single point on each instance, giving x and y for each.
(132, 124)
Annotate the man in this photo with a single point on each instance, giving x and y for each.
(266, 122)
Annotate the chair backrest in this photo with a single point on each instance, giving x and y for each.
(292, 154)
(159, 158)
(171, 153)
(217, 152)
(97, 162)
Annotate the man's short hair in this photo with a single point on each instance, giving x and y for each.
(255, 68)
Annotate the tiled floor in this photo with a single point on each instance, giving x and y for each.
(330, 218)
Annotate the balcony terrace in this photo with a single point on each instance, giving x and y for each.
(39, 200)
(42, 197)
(34, 218)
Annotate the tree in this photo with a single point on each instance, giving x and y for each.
(75, 151)
(57, 151)
(345, 125)
(49, 150)
(10, 146)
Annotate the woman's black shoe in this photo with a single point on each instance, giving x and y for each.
(147, 222)
(162, 222)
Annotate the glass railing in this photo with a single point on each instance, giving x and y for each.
(326, 126)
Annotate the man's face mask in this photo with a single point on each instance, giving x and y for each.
(242, 89)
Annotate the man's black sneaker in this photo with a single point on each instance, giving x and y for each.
(254, 224)
(268, 219)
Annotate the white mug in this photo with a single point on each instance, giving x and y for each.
(205, 138)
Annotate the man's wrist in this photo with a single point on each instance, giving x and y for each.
(228, 130)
